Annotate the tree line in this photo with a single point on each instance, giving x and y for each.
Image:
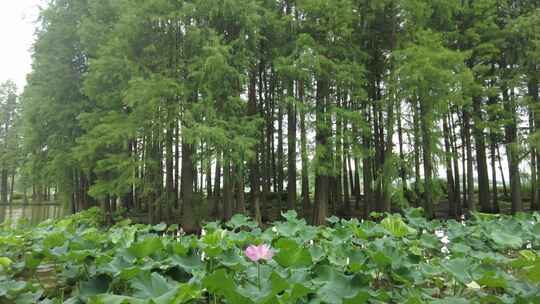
(9, 140)
(188, 109)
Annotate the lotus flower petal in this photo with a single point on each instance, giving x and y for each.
(257, 253)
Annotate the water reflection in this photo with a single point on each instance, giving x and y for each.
(33, 213)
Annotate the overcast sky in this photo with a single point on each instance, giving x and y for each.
(17, 18)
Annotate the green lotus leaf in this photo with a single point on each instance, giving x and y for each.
(291, 254)
(396, 226)
(506, 240)
(146, 247)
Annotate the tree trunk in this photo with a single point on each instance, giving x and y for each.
(322, 179)
(291, 142)
(280, 152)
(368, 199)
(189, 222)
(512, 153)
(337, 200)
(208, 176)
(12, 187)
(455, 159)
(499, 159)
(425, 121)
(533, 92)
(367, 170)
(217, 185)
(304, 151)
(452, 207)
(240, 194)
(169, 167)
(253, 164)
(345, 174)
(534, 191)
(227, 190)
(417, 151)
(470, 177)
(481, 161)
(3, 185)
(387, 177)
(492, 101)
(402, 171)
(176, 164)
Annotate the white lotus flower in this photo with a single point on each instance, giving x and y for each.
(473, 285)
(445, 240)
(445, 250)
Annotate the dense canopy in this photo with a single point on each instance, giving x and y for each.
(181, 111)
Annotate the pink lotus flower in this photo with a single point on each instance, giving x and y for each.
(257, 253)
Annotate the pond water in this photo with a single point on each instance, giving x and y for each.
(34, 213)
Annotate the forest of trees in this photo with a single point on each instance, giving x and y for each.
(9, 140)
(182, 110)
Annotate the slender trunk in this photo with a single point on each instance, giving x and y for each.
(176, 164)
(240, 194)
(189, 223)
(201, 170)
(227, 190)
(501, 170)
(402, 171)
(272, 140)
(280, 152)
(493, 150)
(367, 171)
(388, 159)
(512, 151)
(345, 171)
(195, 174)
(455, 160)
(481, 160)
(377, 163)
(3, 185)
(534, 191)
(267, 180)
(533, 92)
(338, 161)
(12, 187)
(291, 142)
(253, 164)
(470, 177)
(493, 158)
(417, 151)
(208, 176)
(425, 121)
(255, 190)
(351, 176)
(345, 174)
(368, 199)
(169, 167)
(275, 179)
(322, 179)
(452, 207)
(304, 152)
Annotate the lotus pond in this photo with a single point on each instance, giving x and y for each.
(395, 259)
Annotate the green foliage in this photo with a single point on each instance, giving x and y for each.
(401, 259)
(126, 96)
